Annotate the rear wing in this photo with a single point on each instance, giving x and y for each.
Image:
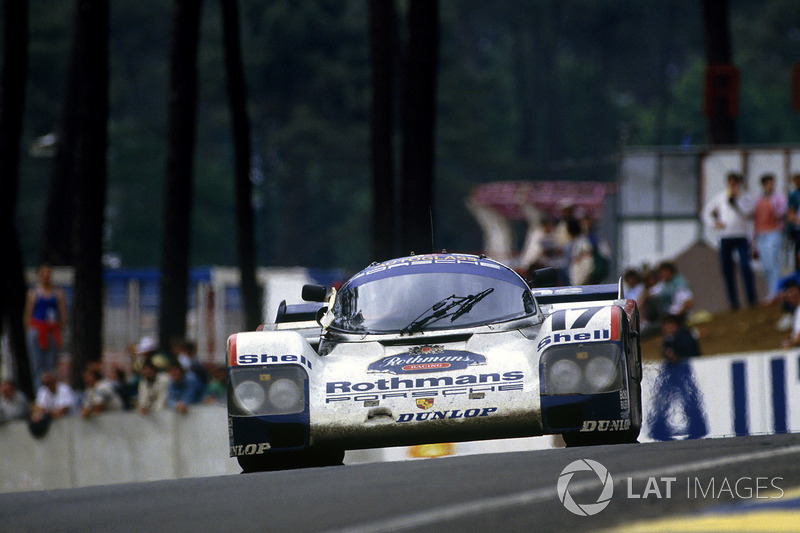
(578, 293)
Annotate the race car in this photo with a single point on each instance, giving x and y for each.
(433, 348)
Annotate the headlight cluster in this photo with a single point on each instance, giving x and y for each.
(582, 369)
(267, 390)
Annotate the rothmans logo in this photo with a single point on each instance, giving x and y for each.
(420, 359)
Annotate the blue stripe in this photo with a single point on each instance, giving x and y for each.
(778, 367)
(739, 399)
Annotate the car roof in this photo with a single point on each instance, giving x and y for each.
(437, 263)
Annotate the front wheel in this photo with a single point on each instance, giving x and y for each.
(576, 439)
(271, 462)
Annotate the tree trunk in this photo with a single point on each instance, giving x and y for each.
(178, 199)
(12, 279)
(89, 174)
(722, 81)
(418, 120)
(237, 95)
(383, 48)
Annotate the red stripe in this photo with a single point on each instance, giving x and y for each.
(615, 333)
(232, 350)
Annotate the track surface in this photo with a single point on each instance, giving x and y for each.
(495, 492)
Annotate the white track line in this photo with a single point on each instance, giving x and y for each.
(494, 503)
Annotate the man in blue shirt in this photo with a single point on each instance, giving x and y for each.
(185, 388)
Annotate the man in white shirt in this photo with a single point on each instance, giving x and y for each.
(730, 213)
(53, 399)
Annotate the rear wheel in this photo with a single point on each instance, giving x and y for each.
(271, 462)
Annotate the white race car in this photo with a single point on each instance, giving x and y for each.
(433, 348)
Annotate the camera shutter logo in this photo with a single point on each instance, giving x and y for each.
(586, 509)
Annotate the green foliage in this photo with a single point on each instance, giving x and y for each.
(525, 89)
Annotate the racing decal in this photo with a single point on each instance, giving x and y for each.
(424, 403)
(447, 414)
(267, 359)
(606, 425)
(559, 318)
(421, 359)
(338, 391)
(435, 263)
(596, 335)
(333, 387)
(249, 449)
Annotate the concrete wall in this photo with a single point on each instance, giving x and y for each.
(116, 448)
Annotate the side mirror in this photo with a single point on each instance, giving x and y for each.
(314, 293)
(544, 277)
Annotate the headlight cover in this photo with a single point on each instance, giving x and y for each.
(582, 368)
(273, 390)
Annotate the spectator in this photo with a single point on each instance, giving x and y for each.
(729, 214)
(675, 386)
(541, 249)
(45, 315)
(215, 391)
(153, 389)
(632, 285)
(185, 388)
(793, 219)
(581, 256)
(677, 342)
(99, 394)
(54, 399)
(13, 404)
(768, 231)
(186, 353)
(792, 295)
(675, 296)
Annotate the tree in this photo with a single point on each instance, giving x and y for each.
(178, 199)
(89, 73)
(12, 280)
(418, 118)
(722, 78)
(245, 227)
(383, 48)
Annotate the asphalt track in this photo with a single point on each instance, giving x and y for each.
(734, 484)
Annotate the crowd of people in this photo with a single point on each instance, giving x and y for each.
(157, 380)
(568, 244)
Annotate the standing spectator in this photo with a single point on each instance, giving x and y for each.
(676, 386)
(45, 315)
(793, 219)
(13, 404)
(153, 389)
(99, 394)
(768, 232)
(581, 255)
(185, 388)
(729, 214)
(54, 399)
(185, 352)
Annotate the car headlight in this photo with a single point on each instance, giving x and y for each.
(564, 377)
(250, 395)
(601, 373)
(273, 390)
(285, 395)
(582, 368)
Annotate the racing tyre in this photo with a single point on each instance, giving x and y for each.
(271, 462)
(573, 440)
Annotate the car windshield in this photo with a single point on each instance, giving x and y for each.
(424, 301)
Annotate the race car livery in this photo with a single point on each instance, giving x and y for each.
(433, 348)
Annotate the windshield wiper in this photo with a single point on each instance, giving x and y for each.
(452, 306)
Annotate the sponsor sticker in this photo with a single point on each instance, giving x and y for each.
(421, 359)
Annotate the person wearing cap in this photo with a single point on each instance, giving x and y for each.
(729, 213)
